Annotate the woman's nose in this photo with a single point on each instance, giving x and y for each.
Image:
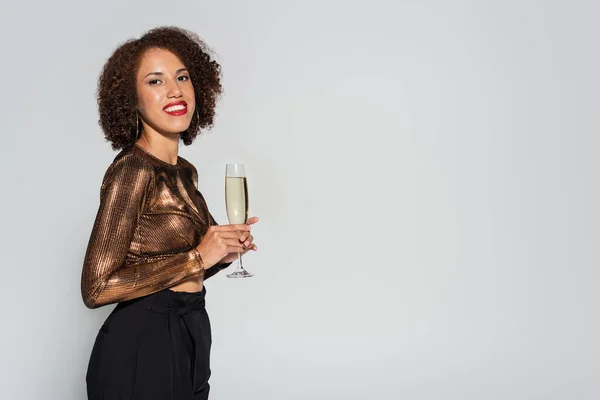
(173, 90)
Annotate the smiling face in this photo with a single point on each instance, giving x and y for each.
(166, 100)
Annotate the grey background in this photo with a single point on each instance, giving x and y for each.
(425, 173)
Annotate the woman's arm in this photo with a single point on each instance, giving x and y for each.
(105, 278)
(218, 267)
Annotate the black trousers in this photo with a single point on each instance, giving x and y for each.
(153, 347)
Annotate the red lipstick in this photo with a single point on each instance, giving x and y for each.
(177, 111)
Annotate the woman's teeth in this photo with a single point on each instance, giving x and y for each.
(174, 108)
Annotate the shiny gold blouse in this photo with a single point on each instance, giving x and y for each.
(150, 219)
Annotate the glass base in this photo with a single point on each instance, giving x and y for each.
(240, 273)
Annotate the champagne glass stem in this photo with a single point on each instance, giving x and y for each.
(240, 272)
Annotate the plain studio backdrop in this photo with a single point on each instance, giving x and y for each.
(426, 174)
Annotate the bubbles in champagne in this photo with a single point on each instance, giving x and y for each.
(236, 199)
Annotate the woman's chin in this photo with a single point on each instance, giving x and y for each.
(172, 132)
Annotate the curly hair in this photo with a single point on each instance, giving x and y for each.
(117, 95)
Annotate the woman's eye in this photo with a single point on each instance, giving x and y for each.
(181, 78)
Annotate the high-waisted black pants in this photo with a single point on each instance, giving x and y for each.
(153, 347)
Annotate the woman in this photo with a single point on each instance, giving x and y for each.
(154, 241)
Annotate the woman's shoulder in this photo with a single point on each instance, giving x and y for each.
(129, 164)
(131, 158)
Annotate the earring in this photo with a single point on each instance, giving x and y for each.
(137, 125)
(198, 117)
(197, 123)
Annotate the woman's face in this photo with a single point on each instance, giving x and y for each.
(166, 100)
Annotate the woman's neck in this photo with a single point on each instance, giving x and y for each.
(164, 147)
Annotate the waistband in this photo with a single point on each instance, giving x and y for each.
(167, 301)
(180, 303)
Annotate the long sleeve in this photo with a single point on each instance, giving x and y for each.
(106, 277)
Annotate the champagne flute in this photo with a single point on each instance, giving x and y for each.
(236, 200)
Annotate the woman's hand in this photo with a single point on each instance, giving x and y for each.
(221, 240)
(248, 242)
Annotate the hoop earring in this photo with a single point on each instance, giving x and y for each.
(198, 118)
(137, 126)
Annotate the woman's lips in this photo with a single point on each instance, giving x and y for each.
(177, 109)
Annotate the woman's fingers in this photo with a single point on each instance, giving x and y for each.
(244, 236)
(233, 243)
(253, 247)
(241, 238)
(232, 235)
(235, 250)
(247, 240)
(234, 238)
(231, 228)
(236, 227)
(246, 245)
(234, 246)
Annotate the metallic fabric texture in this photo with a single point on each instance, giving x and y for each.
(150, 219)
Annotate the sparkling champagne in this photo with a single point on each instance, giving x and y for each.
(236, 198)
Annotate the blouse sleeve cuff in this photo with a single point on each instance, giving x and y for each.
(199, 259)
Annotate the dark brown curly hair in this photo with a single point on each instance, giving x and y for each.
(117, 95)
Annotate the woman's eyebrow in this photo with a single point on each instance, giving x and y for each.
(160, 73)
